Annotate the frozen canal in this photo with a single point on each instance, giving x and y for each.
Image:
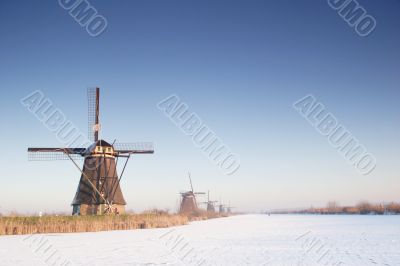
(240, 240)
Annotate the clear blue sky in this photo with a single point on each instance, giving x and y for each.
(238, 64)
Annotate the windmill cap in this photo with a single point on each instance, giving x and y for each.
(103, 143)
(100, 142)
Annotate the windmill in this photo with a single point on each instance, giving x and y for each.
(99, 190)
(210, 203)
(188, 202)
(229, 208)
(221, 208)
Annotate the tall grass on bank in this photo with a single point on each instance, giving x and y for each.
(200, 215)
(73, 224)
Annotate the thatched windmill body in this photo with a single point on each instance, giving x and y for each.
(188, 202)
(99, 190)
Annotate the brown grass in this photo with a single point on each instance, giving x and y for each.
(205, 215)
(73, 224)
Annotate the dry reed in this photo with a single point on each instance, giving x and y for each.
(73, 224)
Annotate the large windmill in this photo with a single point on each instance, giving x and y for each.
(210, 203)
(189, 202)
(99, 190)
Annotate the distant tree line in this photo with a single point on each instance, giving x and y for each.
(363, 207)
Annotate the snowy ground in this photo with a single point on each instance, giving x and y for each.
(239, 240)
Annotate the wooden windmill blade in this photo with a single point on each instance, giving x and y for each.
(93, 95)
(53, 154)
(191, 184)
(208, 202)
(134, 148)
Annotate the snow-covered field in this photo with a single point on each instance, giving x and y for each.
(240, 240)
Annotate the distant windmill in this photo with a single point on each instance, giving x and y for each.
(189, 202)
(99, 189)
(229, 208)
(221, 208)
(210, 203)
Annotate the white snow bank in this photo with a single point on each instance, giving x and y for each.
(239, 240)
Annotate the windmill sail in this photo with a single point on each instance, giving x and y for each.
(132, 148)
(93, 95)
(191, 184)
(53, 154)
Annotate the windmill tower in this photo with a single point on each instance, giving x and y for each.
(99, 190)
(189, 202)
(210, 203)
